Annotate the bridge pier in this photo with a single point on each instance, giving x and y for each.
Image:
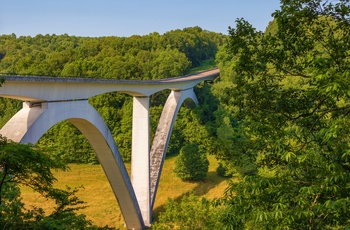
(140, 156)
(146, 163)
(163, 133)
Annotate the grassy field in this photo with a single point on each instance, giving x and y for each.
(102, 207)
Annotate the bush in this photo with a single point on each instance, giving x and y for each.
(222, 170)
(191, 164)
(191, 213)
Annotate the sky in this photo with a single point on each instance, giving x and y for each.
(123, 18)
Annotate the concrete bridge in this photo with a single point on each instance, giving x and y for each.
(50, 100)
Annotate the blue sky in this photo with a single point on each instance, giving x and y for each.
(96, 18)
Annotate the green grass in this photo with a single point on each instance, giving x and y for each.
(102, 207)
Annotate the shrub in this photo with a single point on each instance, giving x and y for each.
(191, 213)
(191, 164)
(222, 170)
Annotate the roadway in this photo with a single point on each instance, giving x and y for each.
(41, 88)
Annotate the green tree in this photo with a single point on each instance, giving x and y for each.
(288, 89)
(170, 63)
(8, 108)
(70, 146)
(191, 164)
(123, 132)
(21, 165)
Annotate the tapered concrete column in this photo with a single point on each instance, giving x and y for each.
(140, 156)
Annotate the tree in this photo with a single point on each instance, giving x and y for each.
(21, 165)
(170, 63)
(71, 146)
(288, 89)
(191, 164)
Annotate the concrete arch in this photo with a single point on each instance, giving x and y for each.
(163, 133)
(30, 123)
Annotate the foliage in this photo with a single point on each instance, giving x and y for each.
(191, 164)
(288, 90)
(222, 170)
(205, 65)
(72, 146)
(21, 165)
(8, 108)
(135, 57)
(190, 213)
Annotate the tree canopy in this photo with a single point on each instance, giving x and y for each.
(285, 104)
(152, 56)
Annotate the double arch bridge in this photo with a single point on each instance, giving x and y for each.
(50, 100)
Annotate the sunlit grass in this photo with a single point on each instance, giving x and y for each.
(102, 207)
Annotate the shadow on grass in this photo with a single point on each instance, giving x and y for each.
(207, 184)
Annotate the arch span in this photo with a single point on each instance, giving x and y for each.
(30, 123)
(163, 133)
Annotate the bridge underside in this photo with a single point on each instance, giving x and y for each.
(135, 196)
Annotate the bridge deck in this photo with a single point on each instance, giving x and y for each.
(37, 88)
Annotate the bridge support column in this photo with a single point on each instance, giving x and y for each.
(140, 156)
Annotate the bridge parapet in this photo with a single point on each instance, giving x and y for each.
(34, 88)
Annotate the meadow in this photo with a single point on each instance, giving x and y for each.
(101, 206)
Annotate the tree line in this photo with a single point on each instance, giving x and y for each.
(151, 56)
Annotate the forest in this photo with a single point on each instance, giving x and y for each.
(277, 119)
